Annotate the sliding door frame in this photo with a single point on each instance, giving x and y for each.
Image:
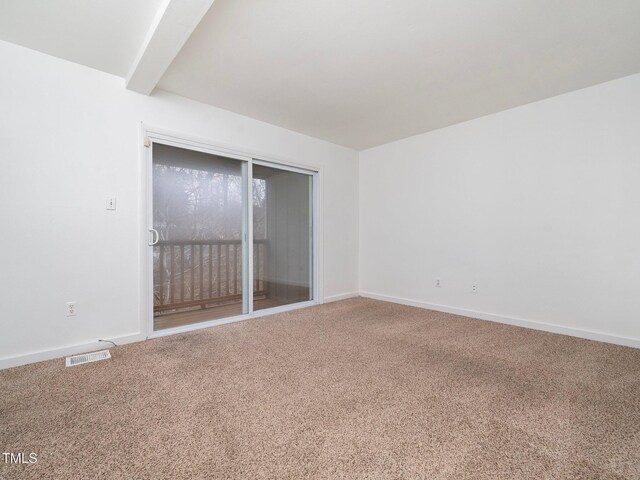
(150, 135)
(313, 238)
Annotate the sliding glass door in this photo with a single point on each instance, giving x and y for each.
(283, 233)
(199, 253)
(203, 268)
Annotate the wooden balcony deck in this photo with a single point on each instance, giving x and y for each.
(201, 280)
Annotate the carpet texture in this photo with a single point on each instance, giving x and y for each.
(352, 389)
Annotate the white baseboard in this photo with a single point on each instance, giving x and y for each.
(492, 317)
(8, 362)
(342, 296)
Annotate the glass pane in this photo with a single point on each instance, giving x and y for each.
(198, 214)
(282, 231)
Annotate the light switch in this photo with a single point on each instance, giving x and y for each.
(111, 203)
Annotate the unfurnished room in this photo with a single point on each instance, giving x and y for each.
(302, 239)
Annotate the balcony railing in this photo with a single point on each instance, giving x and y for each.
(202, 273)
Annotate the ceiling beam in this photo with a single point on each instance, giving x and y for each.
(172, 26)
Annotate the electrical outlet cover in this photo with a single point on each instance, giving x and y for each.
(71, 309)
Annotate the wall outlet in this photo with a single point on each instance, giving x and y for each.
(438, 283)
(71, 310)
(474, 288)
(111, 203)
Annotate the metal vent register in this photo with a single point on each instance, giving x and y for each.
(87, 358)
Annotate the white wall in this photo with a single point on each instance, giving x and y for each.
(540, 205)
(69, 136)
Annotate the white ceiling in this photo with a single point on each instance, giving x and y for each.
(355, 72)
(365, 72)
(102, 34)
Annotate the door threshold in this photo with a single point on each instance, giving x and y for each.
(238, 318)
(283, 308)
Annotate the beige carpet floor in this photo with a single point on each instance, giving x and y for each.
(353, 389)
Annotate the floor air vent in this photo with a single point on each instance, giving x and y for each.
(88, 357)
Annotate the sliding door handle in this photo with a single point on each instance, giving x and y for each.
(155, 236)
